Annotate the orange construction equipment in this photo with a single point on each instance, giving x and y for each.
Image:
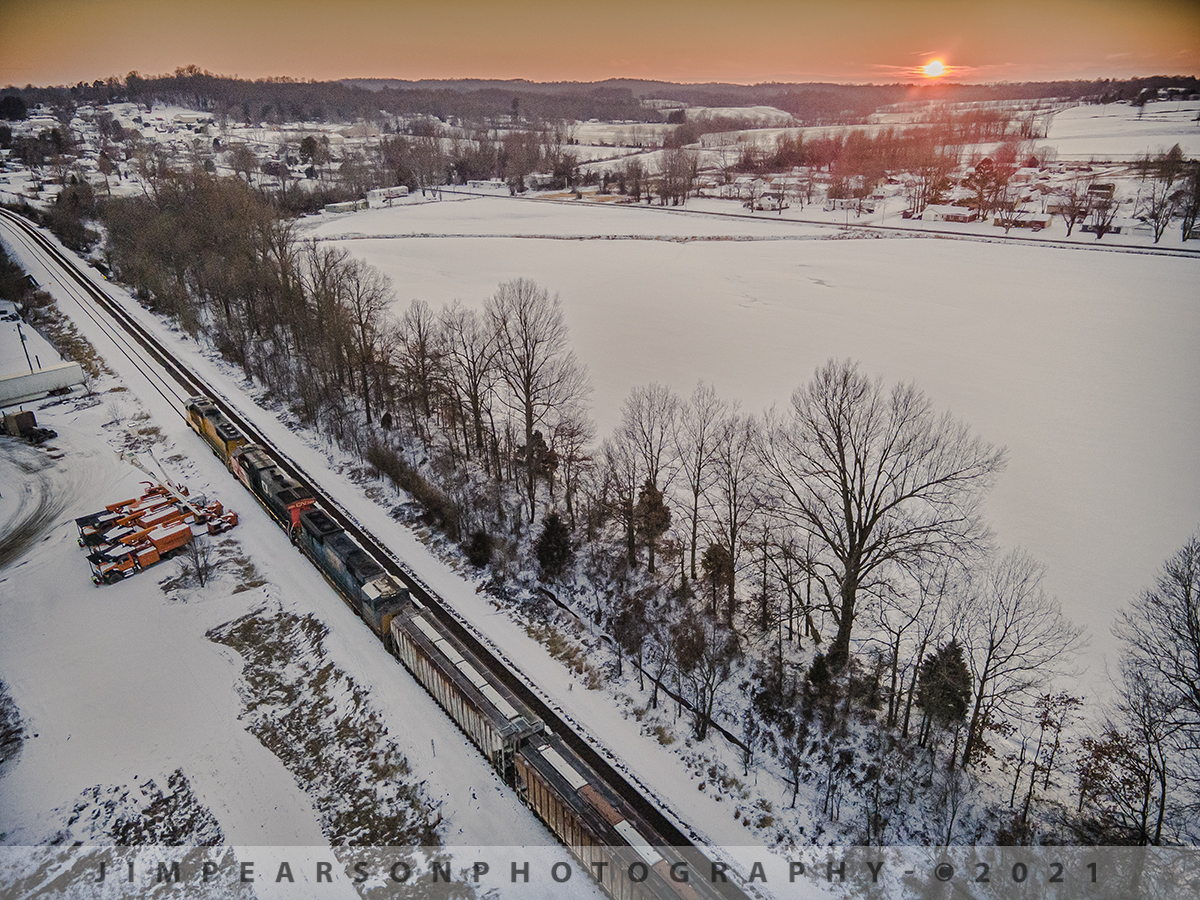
(128, 536)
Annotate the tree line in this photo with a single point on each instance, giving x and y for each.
(299, 100)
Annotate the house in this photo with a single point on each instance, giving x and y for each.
(841, 203)
(941, 212)
(1032, 221)
(380, 197)
(490, 184)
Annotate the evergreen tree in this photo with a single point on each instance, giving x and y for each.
(652, 518)
(944, 692)
(717, 563)
(479, 549)
(12, 107)
(553, 549)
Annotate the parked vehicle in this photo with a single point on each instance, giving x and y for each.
(126, 537)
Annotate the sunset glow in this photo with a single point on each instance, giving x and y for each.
(66, 41)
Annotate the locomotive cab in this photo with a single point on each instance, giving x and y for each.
(382, 600)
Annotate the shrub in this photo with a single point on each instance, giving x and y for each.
(479, 549)
(439, 510)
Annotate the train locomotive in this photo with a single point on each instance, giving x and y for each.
(204, 418)
(361, 581)
(621, 851)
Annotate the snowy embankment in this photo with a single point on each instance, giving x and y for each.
(124, 685)
(1082, 363)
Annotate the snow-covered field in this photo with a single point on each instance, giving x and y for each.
(1118, 131)
(1081, 362)
(104, 734)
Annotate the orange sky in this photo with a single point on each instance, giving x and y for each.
(67, 41)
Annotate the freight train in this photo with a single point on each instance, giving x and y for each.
(618, 848)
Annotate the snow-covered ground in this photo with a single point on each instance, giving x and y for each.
(1121, 132)
(13, 360)
(1081, 362)
(120, 684)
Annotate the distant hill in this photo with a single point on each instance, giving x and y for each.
(484, 100)
(813, 102)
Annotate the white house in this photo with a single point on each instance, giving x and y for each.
(941, 212)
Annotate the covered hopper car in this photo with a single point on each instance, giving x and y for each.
(616, 844)
(490, 715)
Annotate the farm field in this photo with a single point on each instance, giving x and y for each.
(1080, 361)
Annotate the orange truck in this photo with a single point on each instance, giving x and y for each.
(131, 535)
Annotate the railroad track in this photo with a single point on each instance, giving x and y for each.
(497, 665)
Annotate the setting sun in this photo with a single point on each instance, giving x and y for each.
(934, 69)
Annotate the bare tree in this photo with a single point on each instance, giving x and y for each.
(984, 181)
(914, 605)
(420, 362)
(198, 560)
(735, 494)
(695, 438)
(536, 364)
(366, 293)
(1074, 203)
(1159, 198)
(243, 161)
(648, 422)
(619, 489)
(1017, 639)
(470, 350)
(704, 653)
(877, 479)
(1125, 774)
(1103, 214)
(573, 433)
(677, 175)
(1161, 635)
(1187, 197)
(1160, 688)
(1008, 205)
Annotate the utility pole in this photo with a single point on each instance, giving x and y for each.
(21, 334)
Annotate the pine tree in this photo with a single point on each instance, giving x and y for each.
(652, 518)
(553, 549)
(717, 564)
(944, 691)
